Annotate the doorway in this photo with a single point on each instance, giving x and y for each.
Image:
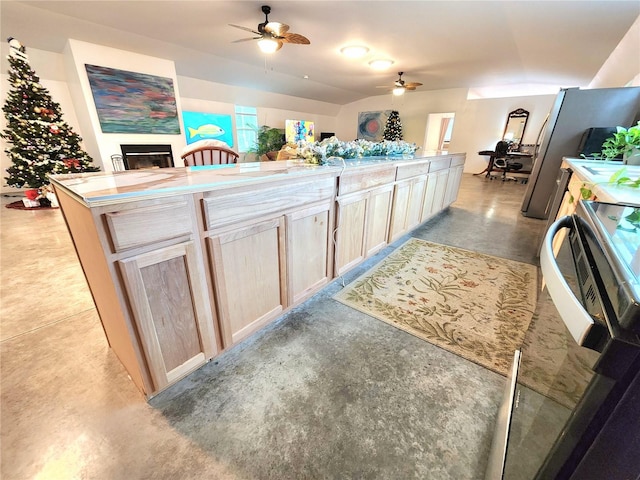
(438, 133)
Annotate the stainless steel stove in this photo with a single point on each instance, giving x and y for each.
(572, 406)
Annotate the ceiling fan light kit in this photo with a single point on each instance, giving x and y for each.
(380, 64)
(398, 91)
(272, 35)
(267, 45)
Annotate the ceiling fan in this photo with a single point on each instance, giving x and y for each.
(400, 86)
(272, 35)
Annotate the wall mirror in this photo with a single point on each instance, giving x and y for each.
(514, 129)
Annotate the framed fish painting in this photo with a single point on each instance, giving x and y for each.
(207, 126)
(132, 102)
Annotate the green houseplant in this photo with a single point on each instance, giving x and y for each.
(269, 139)
(625, 142)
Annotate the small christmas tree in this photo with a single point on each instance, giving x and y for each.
(41, 142)
(393, 128)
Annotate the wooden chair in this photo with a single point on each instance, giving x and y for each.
(210, 155)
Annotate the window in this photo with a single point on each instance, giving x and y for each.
(246, 127)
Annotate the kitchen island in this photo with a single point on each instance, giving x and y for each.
(183, 263)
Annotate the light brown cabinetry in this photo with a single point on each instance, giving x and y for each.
(249, 277)
(363, 214)
(268, 257)
(309, 250)
(453, 180)
(178, 276)
(378, 215)
(167, 294)
(408, 203)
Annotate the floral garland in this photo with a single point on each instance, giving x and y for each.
(318, 152)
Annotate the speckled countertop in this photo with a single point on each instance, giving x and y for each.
(104, 188)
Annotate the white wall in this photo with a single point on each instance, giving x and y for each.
(102, 145)
(478, 124)
(622, 68)
(272, 108)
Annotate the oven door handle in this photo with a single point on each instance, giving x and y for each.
(570, 308)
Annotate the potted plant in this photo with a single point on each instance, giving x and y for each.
(625, 142)
(269, 140)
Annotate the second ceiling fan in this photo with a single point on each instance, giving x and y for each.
(272, 35)
(400, 86)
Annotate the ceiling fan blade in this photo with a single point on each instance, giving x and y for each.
(295, 38)
(409, 87)
(412, 84)
(276, 28)
(244, 28)
(279, 45)
(246, 39)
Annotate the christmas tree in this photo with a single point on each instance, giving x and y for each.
(393, 128)
(41, 142)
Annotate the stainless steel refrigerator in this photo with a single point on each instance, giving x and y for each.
(573, 112)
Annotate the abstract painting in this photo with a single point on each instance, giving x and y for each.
(296, 130)
(131, 102)
(207, 126)
(371, 125)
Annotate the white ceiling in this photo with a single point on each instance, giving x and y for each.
(442, 44)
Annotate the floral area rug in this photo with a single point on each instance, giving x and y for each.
(471, 304)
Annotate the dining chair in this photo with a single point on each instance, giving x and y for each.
(210, 155)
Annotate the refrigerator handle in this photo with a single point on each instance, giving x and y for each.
(540, 135)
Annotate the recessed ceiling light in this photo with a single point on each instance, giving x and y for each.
(306, 77)
(354, 51)
(380, 64)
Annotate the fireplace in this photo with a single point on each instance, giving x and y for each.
(137, 157)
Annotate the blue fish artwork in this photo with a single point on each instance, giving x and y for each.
(206, 131)
(203, 126)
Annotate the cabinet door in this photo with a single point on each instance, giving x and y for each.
(401, 196)
(453, 184)
(441, 188)
(250, 275)
(429, 197)
(350, 233)
(170, 303)
(416, 202)
(309, 245)
(378, 216)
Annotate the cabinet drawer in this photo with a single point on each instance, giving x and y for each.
(455, 161)
(353, 181)
(227, 208)
(439, 164)
(146, 225)
(412, 170)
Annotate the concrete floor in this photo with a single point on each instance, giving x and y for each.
(323, 392)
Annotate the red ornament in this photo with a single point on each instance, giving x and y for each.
(71, 163)
(31, 194)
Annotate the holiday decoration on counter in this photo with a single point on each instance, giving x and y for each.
(393, 128)
(320, 152)
(39, 141)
